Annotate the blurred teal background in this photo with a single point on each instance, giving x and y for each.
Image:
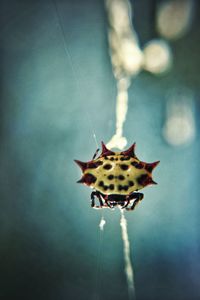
(51, 102)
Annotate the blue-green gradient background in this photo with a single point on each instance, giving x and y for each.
(50, 104)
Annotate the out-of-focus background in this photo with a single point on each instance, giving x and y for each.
(57, 90)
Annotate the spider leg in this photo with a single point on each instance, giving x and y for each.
(95, 154)
(126, 204)
(107, 202)
(138, 197)
(100, 199)
(93, 195)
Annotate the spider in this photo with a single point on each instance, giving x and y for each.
(116, 177)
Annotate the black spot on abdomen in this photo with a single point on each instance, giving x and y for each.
(124, 158)
(137, 165)
(126, 187)
(110, 177)
(93, 165)
(124, 167)
(111, 186)
(121, 177)
(107, 166)
(123, 187)
(89, 178)
(143, 179)
(120, 187)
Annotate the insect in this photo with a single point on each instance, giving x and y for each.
(116, 177)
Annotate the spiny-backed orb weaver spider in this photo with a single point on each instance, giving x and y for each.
(116, 178)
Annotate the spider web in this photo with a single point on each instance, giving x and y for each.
(126, 58)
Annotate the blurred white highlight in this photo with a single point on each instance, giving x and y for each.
(102, 223)
(157, 56)
(128, 59)
(127, 258)
(174, 18)
(179, 128)
(126, 55)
